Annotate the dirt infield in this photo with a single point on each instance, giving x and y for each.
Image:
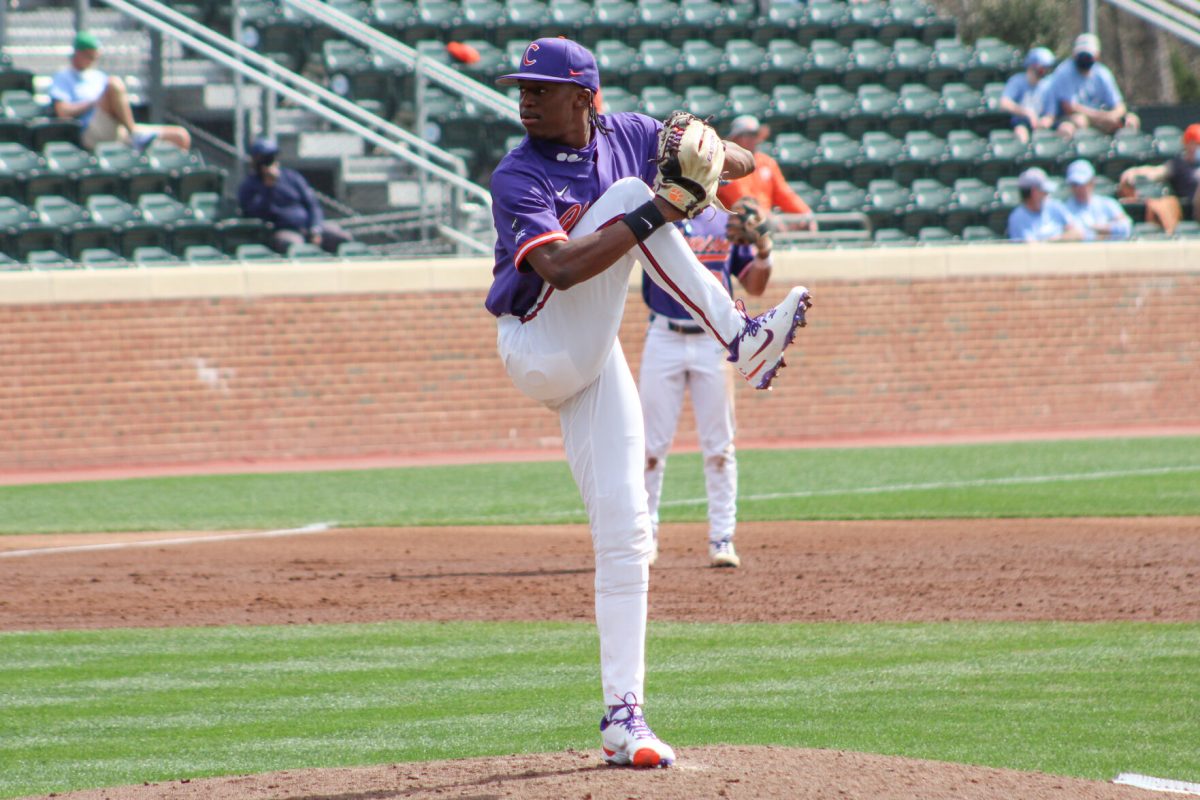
(1074, 569)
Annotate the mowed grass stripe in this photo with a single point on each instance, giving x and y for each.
(1106, 477)
(92, 708)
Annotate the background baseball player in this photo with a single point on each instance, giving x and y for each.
(678, 358)
(571, 204)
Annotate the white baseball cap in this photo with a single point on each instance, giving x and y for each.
(746, 123)
(1087, 43)
(1035, 178)
(1080, 172)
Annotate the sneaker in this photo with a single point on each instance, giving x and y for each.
(722, 554)
(627, 739)
(758, 351)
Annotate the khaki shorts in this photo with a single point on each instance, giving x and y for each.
(104, 128)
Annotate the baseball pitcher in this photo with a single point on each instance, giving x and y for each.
(678, 358)
(572, 204)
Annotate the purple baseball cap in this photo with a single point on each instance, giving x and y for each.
(555, 60)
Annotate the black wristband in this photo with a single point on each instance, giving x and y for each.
(644, 220)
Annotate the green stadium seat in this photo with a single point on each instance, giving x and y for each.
(47, 259)
(255, 252)
(837, 154)
(892, 237)
(886, 203)
(968, 204)
(611, 20)
(477, 19)
(789, 110)
(1091, 144)
(747, 99)
(304, 251)
(162, 208)
(795, 154)
(911, 60)
(783, 21)
(137, 234)
(875, 104)
(785, 60)
(12, 78)
(950, 60)
(903, 21)
(33, 236)
(867, 17)
(13, 130)
(150, 256)
(207, 206)
(101, 258)
(931, 202)
(658, 102)
(964, 150)
(659, 60)
(1149, 231)
(831, 105)
(979, 234)
(616, 61)
(744, 61)
(989, 114)
(1168, 141)
(241, 230)
(281, 37)
(652, 18)
(829, 62)
(868, 63)
(1128, 150)
(881, 153)
(617, 100)
(20, 104)
(189, 232)
(1005, 155)
(699, 62)
(934, 234)
(1008, 197)
(842, 196)
(1049, 151)
(922, 153)
(58, 210)
(205, 254)
(111, 210)
(576, 19)
(40, 132)
(807, 192)
(916, 105)
(435, 19)
(393, 17)
(935, 27)
(1186, 229)
(702, 19)
(355, 250)
(705, 102)
(10, 264)
(823, 20)
(960, 107)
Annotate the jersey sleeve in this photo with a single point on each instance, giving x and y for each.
(524, 216)
(782, 195)
(1013, 88)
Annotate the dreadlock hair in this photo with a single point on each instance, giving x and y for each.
(594, 116)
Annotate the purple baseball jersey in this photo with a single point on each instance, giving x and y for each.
(541, 189)
(705, 234)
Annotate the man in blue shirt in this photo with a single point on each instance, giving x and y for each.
(100, 103)
(1027, 96)
(1040, 218)
(1086, 94)
(1102, 217)
(283, 198)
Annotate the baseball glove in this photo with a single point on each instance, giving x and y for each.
(690, 159)
(748, 224)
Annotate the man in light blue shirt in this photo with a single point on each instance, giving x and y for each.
(1027, 95)
(1086, 94)
(1040, 218)
(100, 102)
(1102, 217)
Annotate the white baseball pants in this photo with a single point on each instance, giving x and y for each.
(567, 356)
(674, 364)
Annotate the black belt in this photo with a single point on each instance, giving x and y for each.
(680, 327)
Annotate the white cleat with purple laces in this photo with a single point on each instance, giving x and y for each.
(628, 740)
(757, 352)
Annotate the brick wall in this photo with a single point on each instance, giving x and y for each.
(125, 382)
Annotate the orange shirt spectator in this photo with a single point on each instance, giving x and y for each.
(766, 183)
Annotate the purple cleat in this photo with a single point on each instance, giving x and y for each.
(758, 351)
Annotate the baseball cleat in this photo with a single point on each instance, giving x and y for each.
(722, 554)
(757, 352)
(627, 739)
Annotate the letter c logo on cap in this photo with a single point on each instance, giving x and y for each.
(527, 61)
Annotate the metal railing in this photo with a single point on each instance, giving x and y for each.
(388, 137)
(1180, 18)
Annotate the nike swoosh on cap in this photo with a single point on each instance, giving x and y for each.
(574, 73)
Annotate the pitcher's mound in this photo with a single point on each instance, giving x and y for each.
(749, 773)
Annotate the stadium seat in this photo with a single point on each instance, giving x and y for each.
(747, 99)
(1091, 144)
(978, 234)
(1008, 197)
(305, 251)
(1149, 231)
(922, 153)
(40, 132)
(934, 234)
(782, 21)
(1005, 155)
(702, 19)
(1049, 151)
(831, 105)
(162, 208)
(255, 252)
(101, 258)
(150, 256)
(46, 259)
(138, 234)
(652, 18)
(434, 20)
(931, 202)
(795, 154)
(785, 61)
(892, 237)
(964, 150)
(659, 60)
(867, 17)
(658, 102)
(1128, 150)
(705, 102)
(111, 210)
(935, 27)
(881, 152)
(950, 60)
(1168, 141)
(867, 64)
(205, 254)
(699, 62)
(477, 19)
(612, 19)
(823, 20)
(842, 196)
(188, 232)
(355, 250)
(208, 206)
(837, 154)
(916, 105)
(874, 105)
(616, 61)
(968, 203)
(393, 16)
(828, 63)
(13, 78)
(744, 61)
(960, 109)
(789, 110)
(58, 210)
(20, 104)
(903, 21)
(806, 192)
(911, 60)
(1186, 229)
(576, 18)
(241, 230)
(616, 100)
(991, 60)
(10, 264)
(887, 202)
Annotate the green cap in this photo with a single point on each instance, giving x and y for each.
(86, 41)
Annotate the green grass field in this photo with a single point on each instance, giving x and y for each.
(81, 709)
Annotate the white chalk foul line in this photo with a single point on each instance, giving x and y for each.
(909, 487)
(1157, 784)
(316, 527)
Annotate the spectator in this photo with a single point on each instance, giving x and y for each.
(1040, 218)
(283, 198)
(100, 103)
(1086, 95)
(1181, 173)
(1026, 95)
(1101, 218)
(766, 183)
